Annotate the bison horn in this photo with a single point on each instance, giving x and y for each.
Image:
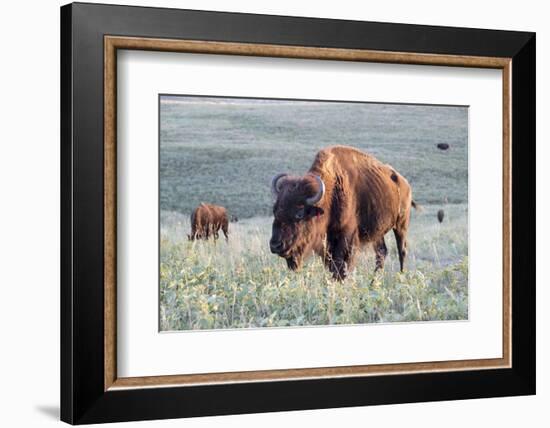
(318, 196)
(274, 186)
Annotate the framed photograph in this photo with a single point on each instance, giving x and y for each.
(265, 213)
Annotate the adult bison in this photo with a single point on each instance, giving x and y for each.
(346, 200)
(207, 220)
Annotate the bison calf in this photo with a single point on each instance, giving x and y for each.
(347, 199)
(207, 220)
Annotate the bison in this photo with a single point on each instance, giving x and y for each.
(346, 200)
(207, 220)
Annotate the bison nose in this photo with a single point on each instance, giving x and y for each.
(275, 246)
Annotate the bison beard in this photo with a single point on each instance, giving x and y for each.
(346, 200)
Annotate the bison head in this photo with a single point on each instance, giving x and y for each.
(294, 212)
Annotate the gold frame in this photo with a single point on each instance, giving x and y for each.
(113, 43)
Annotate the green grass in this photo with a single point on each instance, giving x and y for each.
(227, 154)
(240, 284)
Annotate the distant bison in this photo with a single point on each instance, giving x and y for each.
(440, 215)
(347, 199)
(207, 220)
(443, 146)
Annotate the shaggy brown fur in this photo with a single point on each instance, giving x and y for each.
(363, 200)
(207, 220)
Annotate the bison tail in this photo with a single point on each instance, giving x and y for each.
(416, 206)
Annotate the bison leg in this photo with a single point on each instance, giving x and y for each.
(293, 263)
(381, 252)
(203, 233)
(401, 240)
(225, 230)
(340, 256)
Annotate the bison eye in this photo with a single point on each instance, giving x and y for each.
(300, 214)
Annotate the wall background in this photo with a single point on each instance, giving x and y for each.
(29, 213)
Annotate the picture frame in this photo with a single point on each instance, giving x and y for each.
(91, 391)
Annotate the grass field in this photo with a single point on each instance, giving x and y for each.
(225, 151)
(207, 285)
